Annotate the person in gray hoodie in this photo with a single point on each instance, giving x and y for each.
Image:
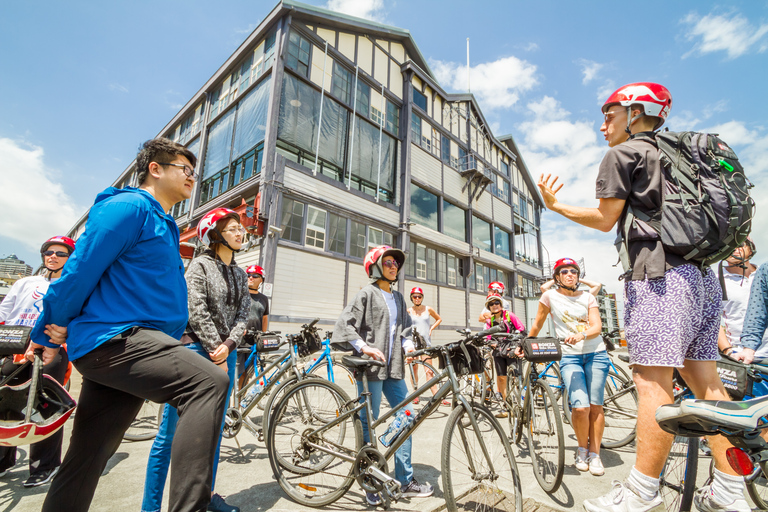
(218, 303)
(372, 324)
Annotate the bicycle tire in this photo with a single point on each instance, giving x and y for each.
(514, 407)
(758, 489)
(277, 393)
(309, 476)
(420, 369)
(461, 451)
(146, 423)
(678, 479)
(342, 376)
(546, 440)
(620, 409)
(554, 380)
(474, 387)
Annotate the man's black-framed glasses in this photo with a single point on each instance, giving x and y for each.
(188, 171)
(60, 254)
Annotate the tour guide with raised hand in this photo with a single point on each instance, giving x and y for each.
(121, 306)
(372, 324)
(672, 311)
(23, 306)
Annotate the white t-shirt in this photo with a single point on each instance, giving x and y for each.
(571, 316)
(24, 302)
(734, 309)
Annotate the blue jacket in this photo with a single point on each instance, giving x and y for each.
(756, 317)
(125, 271)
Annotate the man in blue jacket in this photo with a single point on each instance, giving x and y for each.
(121, 307)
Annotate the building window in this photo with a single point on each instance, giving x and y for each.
(504, 168)
(357, 245)
(291, 223)
(421, 262)
(341, 84)
(442, 268)
(377, 116)
(416, 128)
(481, 234)
(420, 100)
(315, 227)
(370, 166)
(479, 278)
(431, 265)
(423, 207)
(298, 54)
(445, 150)
(501, 239)
(393, 118)
(454, 221)
(363, 98)
(337, 233)
(500, 188)
(452, 270)
(523, 206)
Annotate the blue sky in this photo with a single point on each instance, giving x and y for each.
(84, 83)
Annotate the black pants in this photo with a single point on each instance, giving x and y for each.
(117, 377)
(45, 454)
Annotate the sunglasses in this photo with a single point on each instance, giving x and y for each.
(254, 276)
(60, 254)
(495, 303)
(417, 297)
(391, 263)
(567, 271)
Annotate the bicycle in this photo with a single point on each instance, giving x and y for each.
(531, 402)
(146, 423)
(415, 368)
(316, 439)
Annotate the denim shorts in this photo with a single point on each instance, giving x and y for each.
(584, 377)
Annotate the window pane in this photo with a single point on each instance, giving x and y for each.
(504, 168)
(442, 271)
(479, 278)
(416, 128)
(481, 234)
(388, 239)
(452, 270)
(293, 214)
(420, 100)
(219, 143)
(337, 234)
(298, 53)
(365, 160)
(501, 246)
(357, 240)
(315, 227)
(375, 237)
(251, 119)
(454, 221)
(421, 262)
(431, 265)
(445, 150)
(410, 261)
(341, 84)
(393, 118)
(486, 276)
(363, 98)
(423, 207)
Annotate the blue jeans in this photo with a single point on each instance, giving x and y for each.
(395, 390)
(160, 454)
(584, 377)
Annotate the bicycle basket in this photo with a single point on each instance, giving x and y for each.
(542, 350)
(466, 360)
(308, 342)
(13, 339)
(267, 342)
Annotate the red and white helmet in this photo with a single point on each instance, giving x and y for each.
(492, 297)
(58, 240)
(655, 99)
(565, 262)
(417, 291)
(372, 261)
(496, 286)
(254, 269)
(209, 220)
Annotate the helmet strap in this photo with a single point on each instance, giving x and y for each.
(569, 288)
(631, 120)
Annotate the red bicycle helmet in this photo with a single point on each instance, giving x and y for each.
(58, 240)
(655, 99)
(209, 220)
(496, 286)
(565, 262)
(373, 258)
(255, 269)
(492, 297)
(418, 290)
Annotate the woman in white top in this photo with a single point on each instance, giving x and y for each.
(420, 318)
(584, 365)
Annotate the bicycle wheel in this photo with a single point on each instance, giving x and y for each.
(472, 481)
(545, 437)
(274, 397)
(342, 376)
(300, 460)
(146, 423)
(514, 407)
(758, 490)
(620, 407)
(474, 387)
(678, 479)
(552, 377)
(416, 375)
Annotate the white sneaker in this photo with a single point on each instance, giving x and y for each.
(596, 466)
(581, 462)
(705, 502)
(623, 498)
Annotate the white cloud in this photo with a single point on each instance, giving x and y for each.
(118, 87)
(34, 206)
(604, 91)
(530, 47)
(496, 84)
(368, 9)
(589, 69)
(730, 33)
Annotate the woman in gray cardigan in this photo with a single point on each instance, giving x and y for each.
(371, 324)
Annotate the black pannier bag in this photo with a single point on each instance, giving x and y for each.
(542, 350)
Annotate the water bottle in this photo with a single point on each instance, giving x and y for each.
(251, 394)
(402, 419)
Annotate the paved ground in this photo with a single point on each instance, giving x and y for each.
(245, 477)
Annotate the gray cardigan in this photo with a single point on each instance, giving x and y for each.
(367, 318)
(218, 301)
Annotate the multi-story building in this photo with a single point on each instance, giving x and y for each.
(12, 268)
(331, 135)
(609, 315)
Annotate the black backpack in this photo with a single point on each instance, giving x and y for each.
(706, 210)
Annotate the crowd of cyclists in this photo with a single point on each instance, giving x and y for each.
(138, 326)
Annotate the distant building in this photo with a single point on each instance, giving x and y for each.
(608, 312)
(330, 135)
(11, 267)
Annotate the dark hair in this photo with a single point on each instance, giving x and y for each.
(159, 150)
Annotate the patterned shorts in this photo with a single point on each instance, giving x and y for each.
(668, 320)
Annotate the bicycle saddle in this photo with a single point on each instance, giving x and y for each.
(705, 417)
(361, 362)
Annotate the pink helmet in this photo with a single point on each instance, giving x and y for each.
(373, 258)
(254, 269)
(209, 220)
(58, 240)
(496, 286)
(655, 99)
(417, 290)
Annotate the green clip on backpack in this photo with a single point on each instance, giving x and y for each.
(707, 210)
